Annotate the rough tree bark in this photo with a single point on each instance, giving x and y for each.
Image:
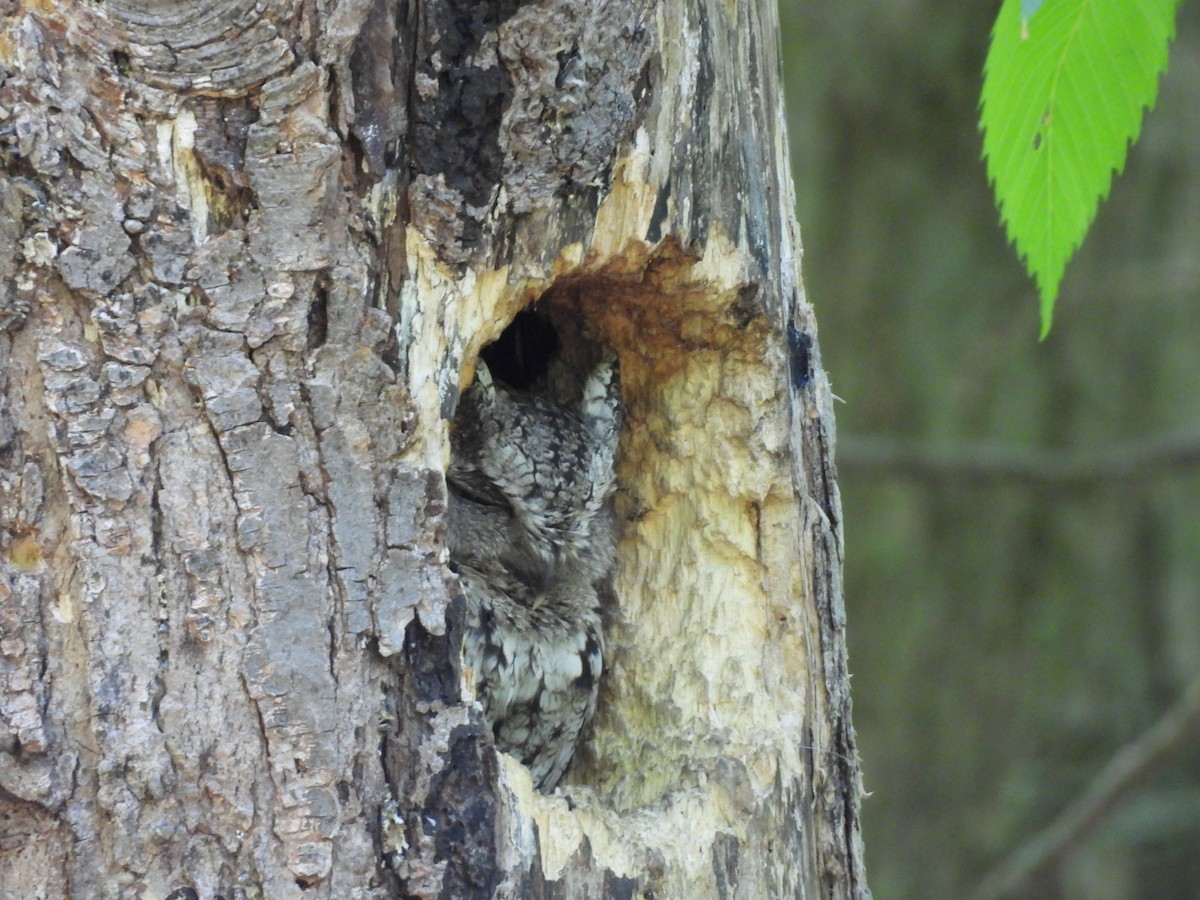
(250, 252)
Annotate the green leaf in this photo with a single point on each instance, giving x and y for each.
(1063, 96)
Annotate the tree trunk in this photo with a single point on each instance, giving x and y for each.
(250, 255)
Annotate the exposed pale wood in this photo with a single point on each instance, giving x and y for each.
(249, 254)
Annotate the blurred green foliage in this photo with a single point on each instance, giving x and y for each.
(1006, 638)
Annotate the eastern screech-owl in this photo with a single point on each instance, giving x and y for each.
(531, 537)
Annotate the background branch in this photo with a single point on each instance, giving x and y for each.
(988, 463)
(1111, 790)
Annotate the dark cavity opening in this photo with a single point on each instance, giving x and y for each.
(521, 356)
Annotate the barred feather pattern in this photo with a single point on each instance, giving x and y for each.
(531, 536)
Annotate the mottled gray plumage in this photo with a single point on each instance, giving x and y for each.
(531, 537)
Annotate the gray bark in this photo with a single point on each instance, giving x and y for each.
(249, 255)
